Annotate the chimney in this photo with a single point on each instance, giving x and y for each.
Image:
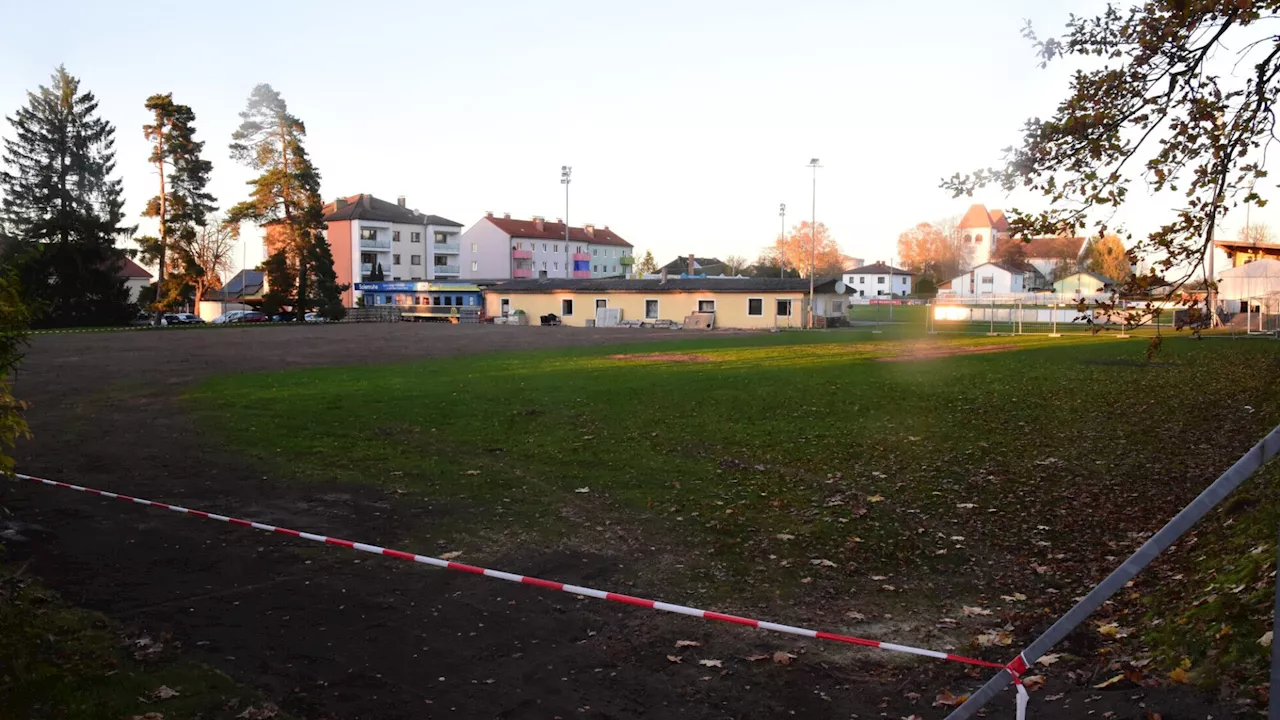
(364, 200)
(488, 213)
(400, 201)
(591, 230)
(664, 273)
(339, 203)
(538, 222)
(559, 221)
(692, 271)
(506, 216)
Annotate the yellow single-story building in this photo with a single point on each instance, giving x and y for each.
(740, 303)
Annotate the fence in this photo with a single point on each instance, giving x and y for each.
(1041, 313)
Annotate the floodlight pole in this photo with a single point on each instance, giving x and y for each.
(813, 237)
(782, 241)
(565, 173)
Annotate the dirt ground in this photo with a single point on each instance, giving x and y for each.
(328, 633)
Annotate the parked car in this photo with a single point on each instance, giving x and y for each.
(251, 316)
(180, 319)
(314, 317)
(285, 316)
(228, 317)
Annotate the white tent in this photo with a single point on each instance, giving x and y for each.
(1252, 280)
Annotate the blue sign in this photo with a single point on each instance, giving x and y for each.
(391, 286)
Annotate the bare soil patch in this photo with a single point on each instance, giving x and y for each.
(925, 351)
(662, 357)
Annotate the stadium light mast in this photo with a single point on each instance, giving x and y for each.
(565, 172)
(782, 240)
(813, 237)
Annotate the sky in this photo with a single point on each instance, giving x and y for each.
(686, 123)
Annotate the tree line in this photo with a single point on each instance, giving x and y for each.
(61, 210)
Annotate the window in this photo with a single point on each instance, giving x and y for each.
(544, 264)
(395, 279)
(566, 307)
(555, 248)
(475, 247)
(457, 300)
(544, 247)
(505, 304)
(518, 246)
(615, 268)
(595, 268)
(440, 261)
(448, 300)
(755, 306)
(880, 280)
(443, 237)
(601, 303)
(386, 299)
(988, 280)
(475, 266)
(706, 306)
(557, 265)
(650, 309)
(368, 234)
(595, 251)
(415, 237)
(862, 279)
(968, 238)
(837, 307)
(395, 236)
(395, 259)
(784, 308)
(579, 250)
(415, 259)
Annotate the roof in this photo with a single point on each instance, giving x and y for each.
(1100, 278)
(555, 231)
(736, 285)
(878, 269)
(1255, 269)
(976, 217)
(1246, 244)
(368, 207)
(131, 269)
(1064, 248)
(251, 280)
(999, 221)
(681, 264)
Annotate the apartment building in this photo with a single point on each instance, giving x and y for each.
(374, 240)
(498, 248)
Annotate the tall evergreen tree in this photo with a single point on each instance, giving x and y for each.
(62, 209)
(182, 204)
(286, 195)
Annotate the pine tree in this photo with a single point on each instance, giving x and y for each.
(62, 209)
(182, 204)
(647, 265)
(286, 195)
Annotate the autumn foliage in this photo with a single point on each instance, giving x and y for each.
(932, 252)
(795, 251)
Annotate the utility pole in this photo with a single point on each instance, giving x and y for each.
(565, 172)
(813, 237)
(782, 241)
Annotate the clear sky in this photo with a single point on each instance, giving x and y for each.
(686, 122)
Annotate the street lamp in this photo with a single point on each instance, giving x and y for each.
(813, 236)
(565, 172)
(782, 241)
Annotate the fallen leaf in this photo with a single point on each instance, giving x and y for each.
(1049, 659)
(1051, 698)
(1179, 675)
(1265, 640)
(688, 643)
(855, 616)
(674, 658)
(164, 692)
(879, 577)
(583, 490)
(260, 713)
(472, 472)
(946, 699)
(912, 697)
(822, 562)
(148, 716)
(875, 498)
(783, 658)
(992, 639)
(784, 536)
(450, 555)
(711, 663)
(1033, 682)
(1109, 630)
(1109, 683)
(971, 611)
(1154, 716)
(1016, 597)
(966, 506)
(755, 658)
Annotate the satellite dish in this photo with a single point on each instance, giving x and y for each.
(840, 287)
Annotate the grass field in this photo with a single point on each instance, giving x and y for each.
(815, 468)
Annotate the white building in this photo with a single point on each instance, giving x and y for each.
(366, 234)
(980, 230)
(878, 279)
(135, 277)
(497, 248)
(984, 236)
(992, 278)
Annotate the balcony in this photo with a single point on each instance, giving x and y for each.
(446, 248)
(366, 268)
(446, 270)
(582, 273)
(522, 273)
(375, 243)
(521, 254)
(626, 260)
(581, 257)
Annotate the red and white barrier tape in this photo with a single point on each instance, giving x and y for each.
(1016, 667)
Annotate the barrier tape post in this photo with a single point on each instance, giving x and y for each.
(526, 580)
(1243, 468)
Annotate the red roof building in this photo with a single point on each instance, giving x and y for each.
(511, 248)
